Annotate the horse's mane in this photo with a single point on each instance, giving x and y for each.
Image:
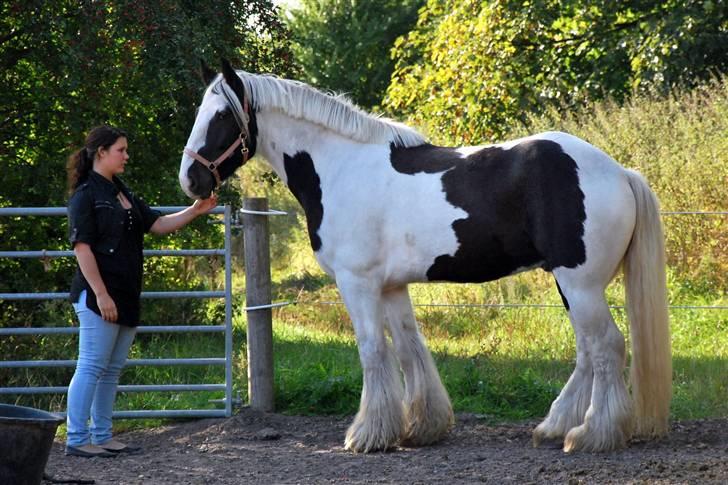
(335, 112)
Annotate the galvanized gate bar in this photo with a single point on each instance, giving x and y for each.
(140, 329)
(15, 364)
(226, 328)
(61, 211)
(121, 388)
(147, 252)
(228, 313)
(169, 413)
(145, 294)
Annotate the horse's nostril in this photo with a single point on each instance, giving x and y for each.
(201, 180)
(193, 185)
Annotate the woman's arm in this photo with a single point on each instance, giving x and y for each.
(172, 222)
(90, 270)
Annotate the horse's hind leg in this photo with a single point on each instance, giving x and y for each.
(569, 408)
(428, 412)
(607, 421)
(380, 421)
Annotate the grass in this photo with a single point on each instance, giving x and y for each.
(506, 363)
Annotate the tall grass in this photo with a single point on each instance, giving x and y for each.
(505, 363)
(680, 144)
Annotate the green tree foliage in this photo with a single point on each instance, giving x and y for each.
(344, 45)
(471, 69)
(68, 65)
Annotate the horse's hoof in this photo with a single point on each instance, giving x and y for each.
(423, 433)
(359, 440)
(536, 439)
(545, 432)
(582, 438)
(355, 446)
(413, 440)
(574, 439)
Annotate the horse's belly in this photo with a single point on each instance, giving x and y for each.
(487, 261)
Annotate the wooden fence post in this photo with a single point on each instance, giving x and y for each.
(258, 292)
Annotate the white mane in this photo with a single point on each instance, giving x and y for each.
(335, 112)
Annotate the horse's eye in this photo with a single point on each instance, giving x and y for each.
(221, 116)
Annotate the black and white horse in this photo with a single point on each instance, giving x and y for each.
(385, 208)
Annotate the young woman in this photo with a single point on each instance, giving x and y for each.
(107, 223)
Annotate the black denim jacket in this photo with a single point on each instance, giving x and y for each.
(116, 237)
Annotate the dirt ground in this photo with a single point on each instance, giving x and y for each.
(253, 447)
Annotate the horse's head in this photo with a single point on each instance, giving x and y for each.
(222, 137)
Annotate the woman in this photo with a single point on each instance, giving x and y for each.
(107, 223)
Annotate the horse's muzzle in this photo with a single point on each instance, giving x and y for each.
(201, 181)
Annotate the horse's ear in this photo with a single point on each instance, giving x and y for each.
(232, 78)
(226, 66)
(206, 72)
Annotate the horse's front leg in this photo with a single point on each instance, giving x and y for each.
(428, 411)
(380, 421)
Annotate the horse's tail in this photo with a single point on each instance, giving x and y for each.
(646, 296)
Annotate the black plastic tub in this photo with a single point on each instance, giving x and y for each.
(26, 437)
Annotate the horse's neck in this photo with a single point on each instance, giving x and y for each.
(281, 136)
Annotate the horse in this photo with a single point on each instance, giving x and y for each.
(385, 208)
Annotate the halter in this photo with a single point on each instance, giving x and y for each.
(242, 118)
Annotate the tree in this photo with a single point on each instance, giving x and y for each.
(344, 45)
(471, 69)
(68, 65)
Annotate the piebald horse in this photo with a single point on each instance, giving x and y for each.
(384, 208)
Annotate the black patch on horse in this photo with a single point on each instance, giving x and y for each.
(524, 205)
(305, 184)
(424, 158)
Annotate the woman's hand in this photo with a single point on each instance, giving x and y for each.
(172, 222)
(202, 206)
(107, 307)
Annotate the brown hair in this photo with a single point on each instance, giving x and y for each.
(81, 161)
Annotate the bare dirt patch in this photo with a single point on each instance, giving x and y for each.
(253, 447)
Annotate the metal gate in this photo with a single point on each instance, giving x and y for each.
(225, 328)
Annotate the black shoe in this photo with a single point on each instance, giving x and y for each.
(97, 452)
(118, 447)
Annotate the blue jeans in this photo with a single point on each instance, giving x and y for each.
(102, 352)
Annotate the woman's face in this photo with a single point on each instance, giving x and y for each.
(111, 161)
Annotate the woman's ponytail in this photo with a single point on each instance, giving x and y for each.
(78, 167)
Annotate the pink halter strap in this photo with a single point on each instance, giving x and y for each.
(212, 166)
